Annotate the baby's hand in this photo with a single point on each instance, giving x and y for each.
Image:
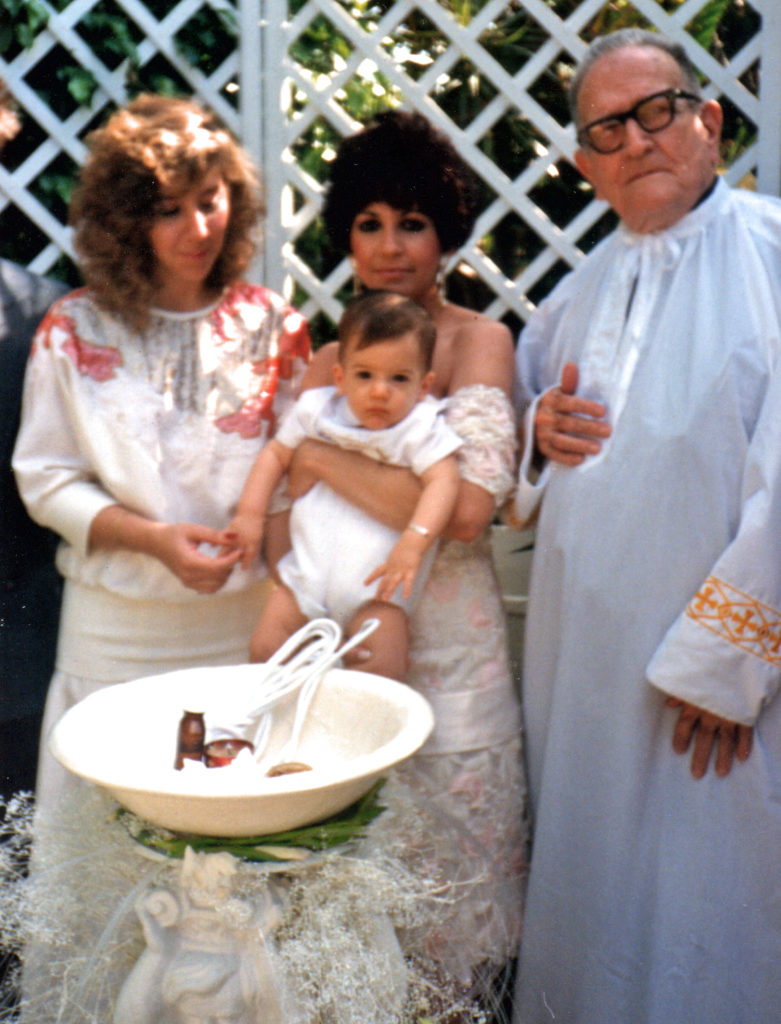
(244, 533)
(401, 568)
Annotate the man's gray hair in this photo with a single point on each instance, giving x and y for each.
(618, 41)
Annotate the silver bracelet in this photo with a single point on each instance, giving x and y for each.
(417, 528)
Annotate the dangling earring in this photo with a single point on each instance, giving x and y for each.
(441, 280)
(357, 282)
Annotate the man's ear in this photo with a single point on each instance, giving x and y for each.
(712, 117)
(338, 377)
(582, 160)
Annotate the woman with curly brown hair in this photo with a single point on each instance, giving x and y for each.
(400, 200)
(148, 396)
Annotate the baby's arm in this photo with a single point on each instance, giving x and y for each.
(432, 514)
(246, 528)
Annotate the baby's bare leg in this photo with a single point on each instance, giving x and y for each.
(280, 619)
(384, 652)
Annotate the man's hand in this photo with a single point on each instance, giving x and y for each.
(731, 740)
(568, 428)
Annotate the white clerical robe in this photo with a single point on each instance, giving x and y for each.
(655, 898)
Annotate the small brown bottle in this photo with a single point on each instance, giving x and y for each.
(189, 742)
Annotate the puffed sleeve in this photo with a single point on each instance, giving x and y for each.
(54, 479)
(484, 420)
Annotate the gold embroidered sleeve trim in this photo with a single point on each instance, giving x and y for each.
(738, 618)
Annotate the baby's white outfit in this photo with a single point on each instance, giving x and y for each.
(336, 545)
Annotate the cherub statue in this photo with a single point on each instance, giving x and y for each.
(209, 957)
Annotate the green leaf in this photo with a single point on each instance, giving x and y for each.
(58, 185)
(80, 83)
(23, 20)
(342, 828)
(705, 23)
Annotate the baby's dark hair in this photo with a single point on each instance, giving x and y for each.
(400, 159)
(378, 316)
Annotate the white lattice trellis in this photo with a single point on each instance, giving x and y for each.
(512, 96)
(64, 135)
(280, 102)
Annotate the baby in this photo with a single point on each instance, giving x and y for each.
(379, 406)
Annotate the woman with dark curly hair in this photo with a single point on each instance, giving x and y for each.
(400, 200)
(148, 396)
(413, 167)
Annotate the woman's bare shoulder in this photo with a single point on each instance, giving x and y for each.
(469, 325)
(483, 350)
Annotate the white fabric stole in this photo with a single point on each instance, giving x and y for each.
(615, 340)
(611, 351)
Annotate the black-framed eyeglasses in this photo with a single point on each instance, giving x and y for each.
(653, 113)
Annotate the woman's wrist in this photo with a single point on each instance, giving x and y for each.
(117, 528)
(107, 529)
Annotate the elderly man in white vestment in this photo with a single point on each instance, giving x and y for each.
(652, 386)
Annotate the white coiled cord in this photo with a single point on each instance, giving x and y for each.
(299, 664)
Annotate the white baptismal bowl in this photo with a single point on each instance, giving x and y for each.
(123, 738)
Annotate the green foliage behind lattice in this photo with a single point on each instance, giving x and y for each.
(121, 64)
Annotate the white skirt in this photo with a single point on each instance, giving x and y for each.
(105, 639)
